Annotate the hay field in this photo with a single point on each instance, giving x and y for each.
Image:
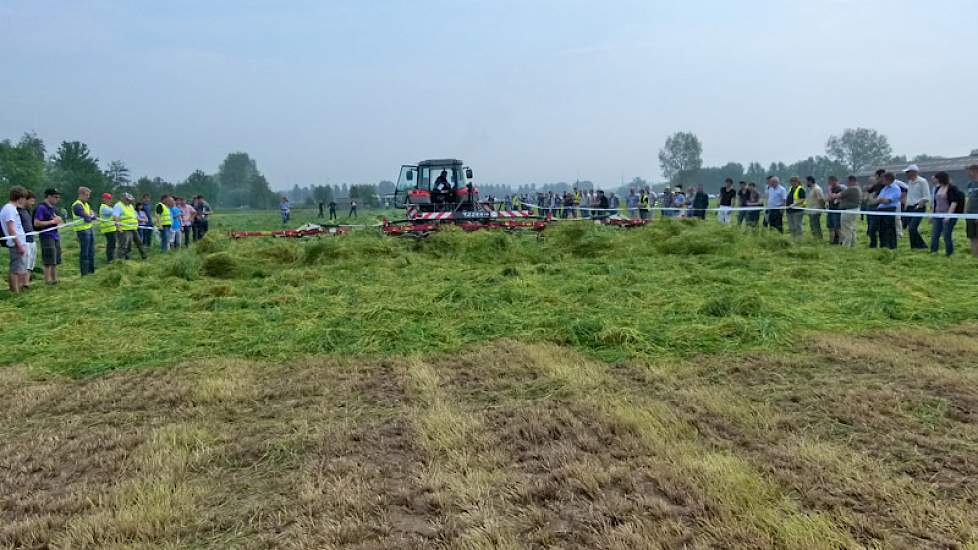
(679, 385)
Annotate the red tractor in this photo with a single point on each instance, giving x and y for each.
(439, 192)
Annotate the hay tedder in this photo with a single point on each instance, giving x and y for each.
(437, 193)
(441, 193)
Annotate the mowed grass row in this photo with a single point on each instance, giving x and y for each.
(505, 445)
(670, 289)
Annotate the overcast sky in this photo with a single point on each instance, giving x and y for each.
(523, 90)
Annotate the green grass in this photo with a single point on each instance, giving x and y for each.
(671, 289)
(684, 384)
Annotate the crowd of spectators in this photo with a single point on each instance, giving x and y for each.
(122, 223)
(892, 207)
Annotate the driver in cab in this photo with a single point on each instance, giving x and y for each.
(443, 189)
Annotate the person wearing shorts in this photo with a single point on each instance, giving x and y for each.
(27, 221)
(46, 217)
(15, 241)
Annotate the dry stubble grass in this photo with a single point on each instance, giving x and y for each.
(506, 445)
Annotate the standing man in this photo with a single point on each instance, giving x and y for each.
(164, 222)
(850, 199)
(888, 201)
(752, 199)
(201, 223)
(834, 219)
(321, 209)
(816, 199)
(27, 221)
(176, 223)
(743, 194)
(204, 212)
(106, 226)
(86, 235)
(631, 202)
(353, 208)
(46, 217)
(643, 205)
(332, 209)
(187, 215)
(727, 196)
(283, 208)
(16, 241)
(874, 186)
(147, 232)
(918, 195)
(701, 201)
(127, 222)
(777, 195)
(795, 202)
(971, 192)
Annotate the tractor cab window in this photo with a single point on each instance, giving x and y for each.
(429, 176)
(406, 181)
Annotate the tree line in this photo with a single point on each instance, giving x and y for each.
(851, 152)
(237, 183)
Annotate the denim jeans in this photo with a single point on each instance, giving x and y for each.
(147, 236)
(165, 238)
(913, 226)
(943, 228)
(86, 256)
(110, 246)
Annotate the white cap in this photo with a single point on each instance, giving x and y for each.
(911, 168)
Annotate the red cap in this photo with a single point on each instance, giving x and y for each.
(106, 195)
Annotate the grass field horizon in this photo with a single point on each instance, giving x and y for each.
(684, 384)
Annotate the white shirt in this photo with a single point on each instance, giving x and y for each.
(918, 191)
(9, 213)
(117, 210)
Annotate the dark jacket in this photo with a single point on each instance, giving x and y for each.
(954, 195)
(28, 222)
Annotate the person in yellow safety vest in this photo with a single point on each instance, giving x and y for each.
(577, 202)
(516, 202)
(83, 230)
(164, 221)
(106, 226)
(794, 203)
(127, 223)
(643, 205)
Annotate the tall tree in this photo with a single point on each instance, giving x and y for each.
(118, 174)
(22, 164)
(199, 183)
(681, 158)
(859, 148)
(241, 184)
(73, 166)
(755, 173)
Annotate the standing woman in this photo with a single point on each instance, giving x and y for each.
(948, 199)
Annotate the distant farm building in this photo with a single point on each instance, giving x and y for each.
(956, 167)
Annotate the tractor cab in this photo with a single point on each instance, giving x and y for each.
(436, 186)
